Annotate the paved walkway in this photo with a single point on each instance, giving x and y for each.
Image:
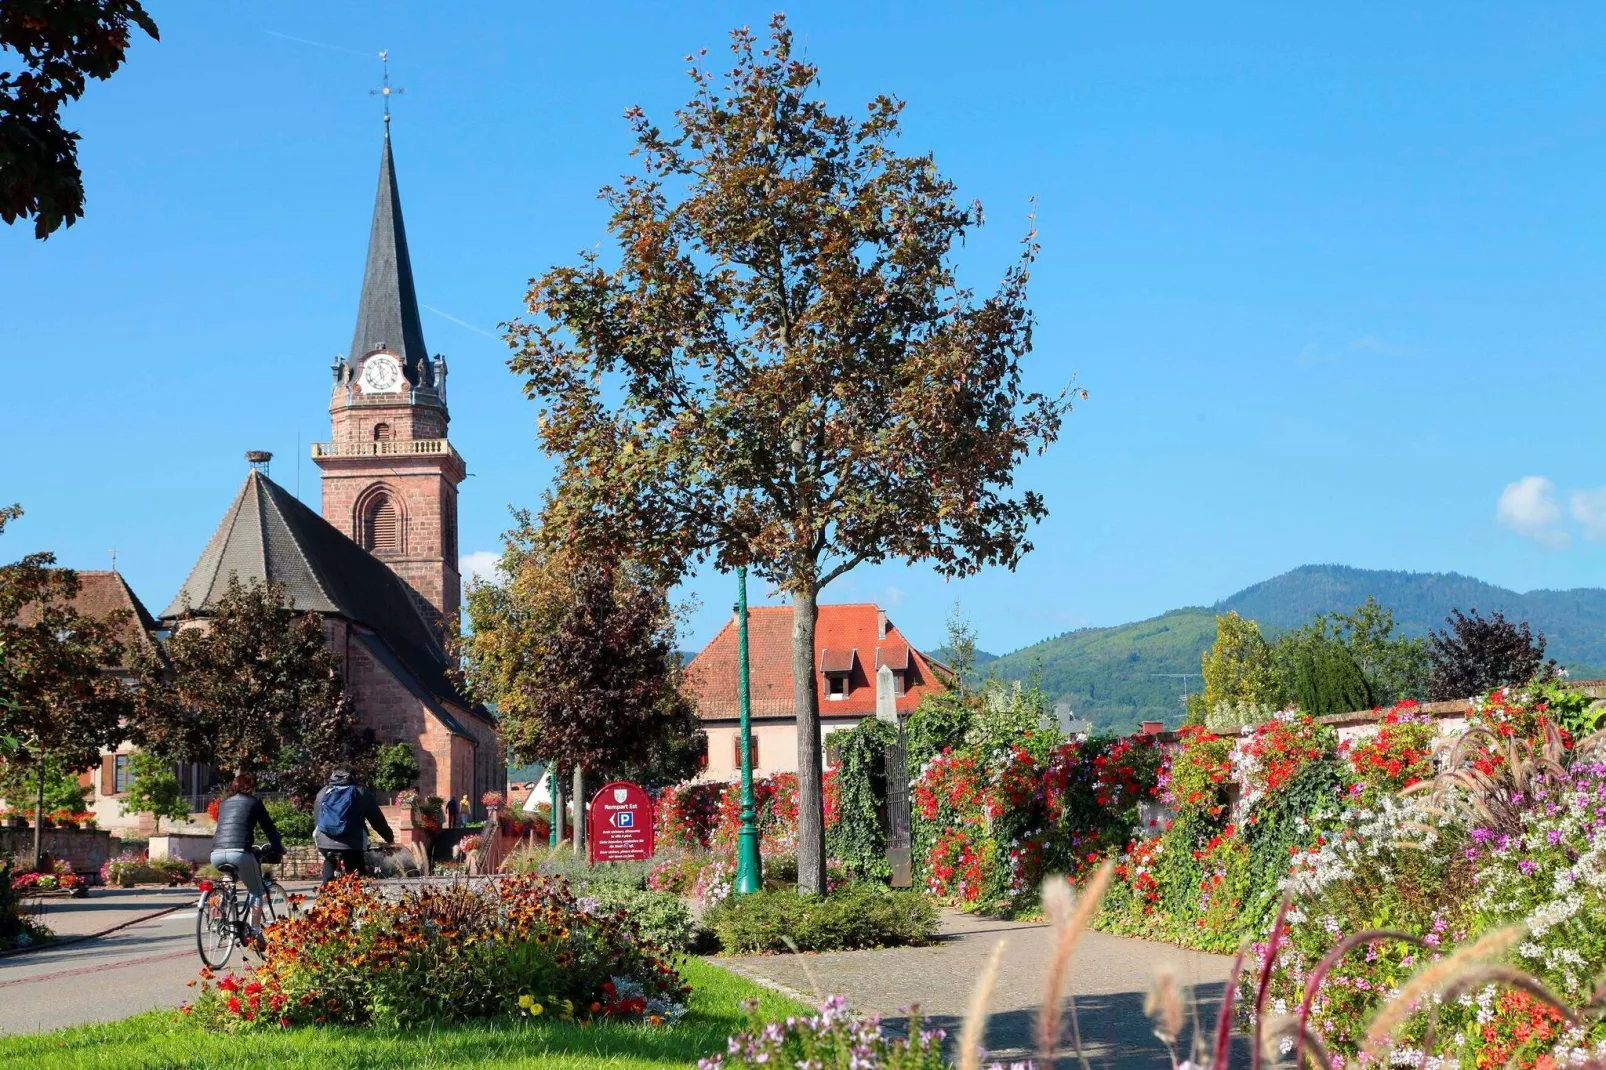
(1109, 976)
(106, 908)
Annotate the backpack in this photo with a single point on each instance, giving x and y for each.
(334, 813)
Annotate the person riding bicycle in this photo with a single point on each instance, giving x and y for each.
(344, 810)
(238, 818)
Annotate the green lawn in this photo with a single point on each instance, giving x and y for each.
(158, 1041)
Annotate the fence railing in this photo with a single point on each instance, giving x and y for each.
(406, 447)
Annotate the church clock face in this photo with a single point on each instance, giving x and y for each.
(381, 374)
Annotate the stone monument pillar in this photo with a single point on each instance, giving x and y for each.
(900, 839)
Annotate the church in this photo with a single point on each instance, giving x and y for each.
(380, 565)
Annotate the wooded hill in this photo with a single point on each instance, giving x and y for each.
(1107, 674)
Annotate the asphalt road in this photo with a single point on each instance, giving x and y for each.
(140, 968)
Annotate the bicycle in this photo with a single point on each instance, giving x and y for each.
(223, 916)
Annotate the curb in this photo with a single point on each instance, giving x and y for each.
(78, 938)
(763, 982)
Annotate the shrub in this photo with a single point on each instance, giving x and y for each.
(661, 919)
(444, 954)
(675, 876)
(16, 928)
(395, 767)
(860, 915)
(539, 859)
(295, 825)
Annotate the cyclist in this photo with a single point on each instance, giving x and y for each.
(238, 818)
(344, 811)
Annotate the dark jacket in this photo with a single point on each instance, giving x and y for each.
(238, 819)
(364, 811)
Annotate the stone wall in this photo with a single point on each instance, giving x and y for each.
(85, 849)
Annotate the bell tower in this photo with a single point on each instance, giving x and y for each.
(390, 475)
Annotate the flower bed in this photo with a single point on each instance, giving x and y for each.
(443, 954)
(127, 870)
(58, 878)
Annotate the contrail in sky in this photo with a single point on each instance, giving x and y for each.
(460, 323)
(318, 44)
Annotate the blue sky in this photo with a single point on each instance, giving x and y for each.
(1334, 280)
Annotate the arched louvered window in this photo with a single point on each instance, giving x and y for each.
(382, 433)
(382, 526)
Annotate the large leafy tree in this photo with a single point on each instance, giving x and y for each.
(155, 790)
(1239, 670)
(579, 658)
(1341, 662)
(781, 369)
(1477, 653)
(60, 699)
(252, 686)
(58, 45)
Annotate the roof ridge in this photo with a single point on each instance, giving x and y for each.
(312, 569)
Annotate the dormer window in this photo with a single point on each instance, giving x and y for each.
(895, 656)
(837, 668)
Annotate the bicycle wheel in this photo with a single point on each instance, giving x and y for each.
(276, 904)
(215, 926)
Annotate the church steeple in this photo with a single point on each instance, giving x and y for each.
(387, 312)
(390, 475)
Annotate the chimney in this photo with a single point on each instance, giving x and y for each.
(1153, 728)
(880, 624)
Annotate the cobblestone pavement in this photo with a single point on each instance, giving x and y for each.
(1109, 976)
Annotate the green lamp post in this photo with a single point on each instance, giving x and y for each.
(552, 786)
(749, 864)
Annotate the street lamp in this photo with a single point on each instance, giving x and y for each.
(749, 864)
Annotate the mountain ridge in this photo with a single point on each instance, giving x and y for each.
(1122, 674)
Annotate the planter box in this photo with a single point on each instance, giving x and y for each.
(186, 846)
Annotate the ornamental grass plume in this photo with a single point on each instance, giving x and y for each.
(975, 1027)
(1163, 1005)
(1070, 917)
(1432, 979)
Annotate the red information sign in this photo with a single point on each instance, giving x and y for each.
(621, 823)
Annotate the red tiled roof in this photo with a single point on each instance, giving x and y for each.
(837, 660)
(101, 593)
(842, 630)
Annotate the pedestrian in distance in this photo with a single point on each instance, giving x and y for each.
(344, 811)
(465, 808)
(451, 813)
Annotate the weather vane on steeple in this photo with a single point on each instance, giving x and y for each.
(385, 90)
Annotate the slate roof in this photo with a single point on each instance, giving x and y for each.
(845, 630)
(267, 535)
(387, 312)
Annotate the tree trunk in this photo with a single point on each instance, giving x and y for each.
(39, 817)
(805, 697)
(579, 809)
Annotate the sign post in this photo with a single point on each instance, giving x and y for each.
(621, 821)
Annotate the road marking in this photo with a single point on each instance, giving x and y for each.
(100, 968)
